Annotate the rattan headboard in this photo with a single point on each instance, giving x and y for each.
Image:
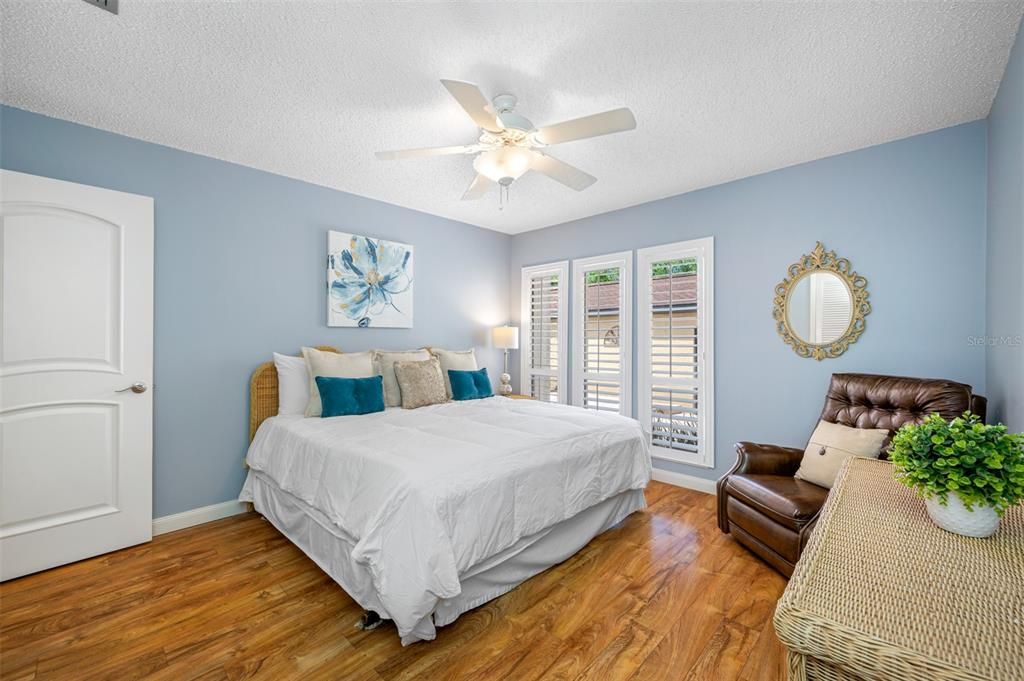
(263, 393)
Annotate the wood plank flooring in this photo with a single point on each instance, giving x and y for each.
(664, 595)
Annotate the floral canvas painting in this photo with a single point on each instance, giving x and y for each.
(369, 282)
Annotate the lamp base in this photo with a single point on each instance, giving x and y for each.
(506, 384)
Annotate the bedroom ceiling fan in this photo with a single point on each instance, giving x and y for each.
(509, 145)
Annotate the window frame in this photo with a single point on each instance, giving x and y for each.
(580, 266)
(561, 268)
(703, 250)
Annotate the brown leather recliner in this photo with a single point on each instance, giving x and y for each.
(772, 513)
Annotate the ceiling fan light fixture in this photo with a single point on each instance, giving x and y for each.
(503, 165)
(509, 144)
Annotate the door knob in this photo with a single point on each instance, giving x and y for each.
(136, 388)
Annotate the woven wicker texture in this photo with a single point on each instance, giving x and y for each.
(801, 667)
(882, 593)
(263, 393)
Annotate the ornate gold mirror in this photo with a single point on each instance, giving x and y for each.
(820, 306)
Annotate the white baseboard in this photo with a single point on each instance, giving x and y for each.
(683, 480)
(197, 516)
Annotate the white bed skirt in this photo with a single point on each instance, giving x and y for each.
(331, 549)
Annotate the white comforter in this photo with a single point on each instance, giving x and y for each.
(426, 494)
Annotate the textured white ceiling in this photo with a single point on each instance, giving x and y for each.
(721, 90)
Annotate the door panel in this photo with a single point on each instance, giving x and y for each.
(76, 302)
(62, 271)
(81, 486)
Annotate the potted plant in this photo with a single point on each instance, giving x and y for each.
(968, 472)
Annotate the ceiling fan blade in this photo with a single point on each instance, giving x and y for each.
(616, 120)
(473, 101)
(477, 188)
(426, 151)
(570, 176)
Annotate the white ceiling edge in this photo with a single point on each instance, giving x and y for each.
(757, 174)
(413, 208)
(739, 90)
(295, 178)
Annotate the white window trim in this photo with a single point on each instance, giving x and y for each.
(703, 251)
(580, 266)
(561, 268)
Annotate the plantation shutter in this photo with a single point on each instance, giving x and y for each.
(675, 381)
(602, 332)
(543, 375)
(831, 308)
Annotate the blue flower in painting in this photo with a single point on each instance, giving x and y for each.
(368, 274)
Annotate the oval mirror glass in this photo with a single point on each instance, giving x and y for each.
(819, 308)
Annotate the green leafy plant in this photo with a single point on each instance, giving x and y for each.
(981, 464)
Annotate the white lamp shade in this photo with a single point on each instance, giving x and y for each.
(506, 337)
(503, 162)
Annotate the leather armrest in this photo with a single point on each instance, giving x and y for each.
(979, 406)
(759, 459)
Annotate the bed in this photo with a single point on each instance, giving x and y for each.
(423, 514)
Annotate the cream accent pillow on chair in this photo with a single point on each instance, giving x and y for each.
(384, 360)
(421, 383)
(833, 443)
(337, 364)
(460, 360)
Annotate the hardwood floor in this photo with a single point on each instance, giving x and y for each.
(664, 595)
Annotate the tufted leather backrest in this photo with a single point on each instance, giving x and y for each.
(870, 401)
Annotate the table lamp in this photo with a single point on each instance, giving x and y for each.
(507, 338)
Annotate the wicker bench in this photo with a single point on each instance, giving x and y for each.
(882, 593)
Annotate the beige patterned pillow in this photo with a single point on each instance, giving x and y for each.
(384, 361)
(421, 383)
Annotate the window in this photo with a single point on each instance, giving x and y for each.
(676, 386)
(602, 332)
(544, 331)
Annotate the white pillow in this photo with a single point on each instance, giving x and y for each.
(339, 364)
(460, 360)
(292, 385)
(384, 362)
(833, 443)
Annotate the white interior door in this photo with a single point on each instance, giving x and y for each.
(76, 308)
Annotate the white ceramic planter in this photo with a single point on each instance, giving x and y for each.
(981, 521)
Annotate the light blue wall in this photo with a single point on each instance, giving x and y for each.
(1005, 273)
(910, 216)
(240, 274)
